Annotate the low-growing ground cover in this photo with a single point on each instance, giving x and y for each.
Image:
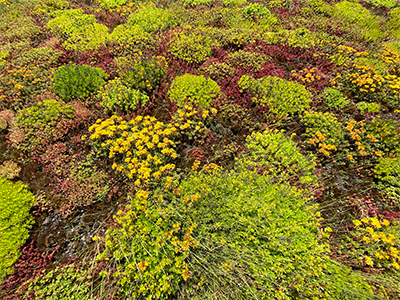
(199, 149)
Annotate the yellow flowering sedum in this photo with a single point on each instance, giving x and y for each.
(140, 148)
(378, 242)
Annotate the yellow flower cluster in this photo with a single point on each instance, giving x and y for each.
(210, 167)
(357, 133)
(393, 82)
(187, 242)
(124, 10)
(385, 246)
(323, 148)
(192, 198)
(140, 147)
(365, 78)
(306, 75)
(20, 78)
(339, 54)
(346, 49)
(24, 72)
(188, 119)
(196, 165)
(390, 56)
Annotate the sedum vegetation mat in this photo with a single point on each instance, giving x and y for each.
(200, 149)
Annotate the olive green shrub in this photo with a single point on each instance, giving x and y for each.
(141, 71)
(247, 59)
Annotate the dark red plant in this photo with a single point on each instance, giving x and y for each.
(29, 266)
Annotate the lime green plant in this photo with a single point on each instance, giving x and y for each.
(77, 81)
(227, 235)
(283, 98)
(351, 12)
(271, 152)
(387, 131)
(300, 37)
(366, 107)
(49, 6)
(194, 3)
(192, 45)
(152, 19)
(259, 15)
(15, 221)
(111, 4)
(234, 3)
(78, 30)
(131, 37)
(116, 96)
(385, 3)
(354, 13)
(40, 114)
(393, 24)
(388, 172)
(334, 98)
(255, 11)
(196, 90)
(149, 247)
(236, 36)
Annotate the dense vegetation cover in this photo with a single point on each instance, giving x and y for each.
(199, 149)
